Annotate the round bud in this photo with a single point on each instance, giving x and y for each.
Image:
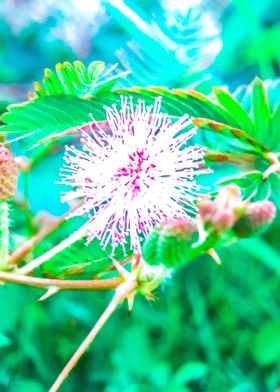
(256, 216)
(8, 173)
(261, 213)
(205, 208)
(223, 220)
(169, 244)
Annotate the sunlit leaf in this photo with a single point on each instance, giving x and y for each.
(234, 107)
(261, 110)
(75, 79)
(79, 259)
(249, 144)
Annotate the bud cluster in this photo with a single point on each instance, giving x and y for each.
(229, 212)
(220, 214)
(219, 221)
(8, 173)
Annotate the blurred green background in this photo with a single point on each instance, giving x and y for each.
(212, 328)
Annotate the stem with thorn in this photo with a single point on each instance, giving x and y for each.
(122, 292)
(43, 283)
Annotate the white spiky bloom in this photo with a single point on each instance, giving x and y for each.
(134, 174)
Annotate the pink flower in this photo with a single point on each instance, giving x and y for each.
(135, 175)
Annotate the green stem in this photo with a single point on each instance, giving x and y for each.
(45, 283)
(4, 234)
(203, 247)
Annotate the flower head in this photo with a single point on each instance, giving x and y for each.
(134, 174)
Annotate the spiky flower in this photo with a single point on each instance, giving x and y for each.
(133, 174)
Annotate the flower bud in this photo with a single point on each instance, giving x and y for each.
(219, 215)
(8, 173)
(223, 220)
(205, 208)
(256, 216)
(169, 244)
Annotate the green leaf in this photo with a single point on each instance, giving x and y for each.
(248, 182)
(247, 143)
(65, 79)
(106, 85)
(212, 109)
(82, 72)
(274, 181)
(79, 259)
(273, 137)
(234, 107)
(243, 180)
(253, 110)
(209, 114)
(262, 190)
(254, 186)
(75, 79)
(96, 69)
(156, 46)
(52, 83)
(50, 115)
(69, 69)
(261, 111)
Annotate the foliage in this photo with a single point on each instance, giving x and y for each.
(180, 35)
(76, 79)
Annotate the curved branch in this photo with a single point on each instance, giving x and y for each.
(43, 283)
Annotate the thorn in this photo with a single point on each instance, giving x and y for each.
(130, 301)
(136, 262)
(121, 270)
(212, 253)
(51, 291)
